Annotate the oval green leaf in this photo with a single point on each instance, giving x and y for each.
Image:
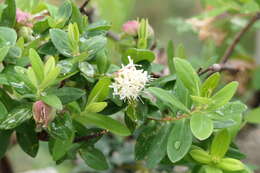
(201, 126)
(103, 122)
(179, 141)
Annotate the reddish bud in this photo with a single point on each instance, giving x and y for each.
(43, 114)
(23, 17)
(131, 27)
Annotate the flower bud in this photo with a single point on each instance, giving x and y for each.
(200, 156)
(43, 114)
(131, 27)
(26, 33)
(230, 164)
(23, 18)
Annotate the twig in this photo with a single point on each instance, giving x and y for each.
(218, 68)
(5, 166)
(169, 118)
(237, 38)
(230, 50)
(113, 36)
(43, 136)
(86, 138)
(82, 7)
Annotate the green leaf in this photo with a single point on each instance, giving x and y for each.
(27, 138)
(2, 7)
(182, 93)
(32, 77)
(102, 61)
(64, 12)
(3, 111)
(211, 169)
(9, 14)
(230, 164)
(180, 140)
(144, 140)
(73, 34)
(180, 51)
(41, 26)
(131, 125)
(138, 55)
(200, 155)
(93, 157)
(59, 18)
(201, 100)
(3, 52)
(168, 98)
(76, 16)
(163, 80)
(17, 79)
(131, 112)
(16, 117)
(170, 55)
(37, 65)
(187, 75)
(220, 144)
(157, 149)
(4, 142)
(61, 41)
(53, 101)
(201, 126)
(93, 45)
(7, 101)
(99, 26)
(67, 94)
(103, 122)
(223, 96)
(8, 35)
(59, 148)
(100, 91)
(50, 79)
(151, 143)
(87, 69)
(96, 107)
(209, 85)
(230, 111)
(253, 116)
(61, 128)
(49, 65)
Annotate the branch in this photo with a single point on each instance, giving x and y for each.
(82, 7)
(230, 50)
(43, 136)
(89, 137)
(237, 38)
(113, 36)
(218, 68)
(169, 118)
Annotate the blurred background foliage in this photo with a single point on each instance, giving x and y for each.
(166, 18)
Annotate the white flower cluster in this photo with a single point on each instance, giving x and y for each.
(129, 81)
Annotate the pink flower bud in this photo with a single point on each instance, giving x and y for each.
(43, 114)
(23, 17)
(131, 27)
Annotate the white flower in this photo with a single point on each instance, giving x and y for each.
(129, 81)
